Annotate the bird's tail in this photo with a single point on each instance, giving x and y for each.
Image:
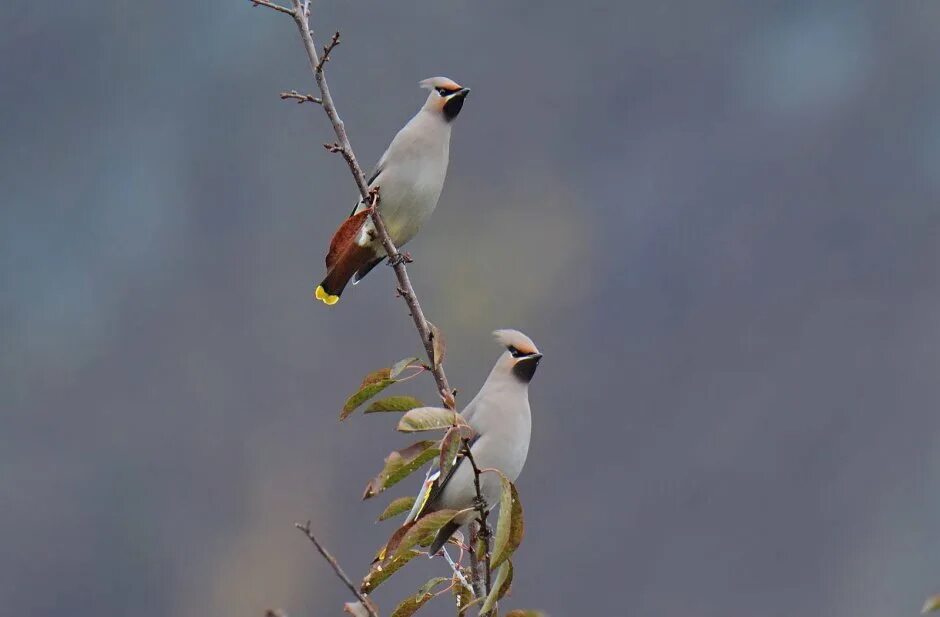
(345, 258)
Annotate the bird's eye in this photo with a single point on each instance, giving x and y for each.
(442, 91)
(515, 353)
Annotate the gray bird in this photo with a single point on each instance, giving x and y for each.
(502, 420)
(410, 176)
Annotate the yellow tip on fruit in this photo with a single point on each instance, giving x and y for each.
(328, 299)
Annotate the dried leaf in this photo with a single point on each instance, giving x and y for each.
(364, 394)
(437, 345)
(932, 604)
(525, 613)
(394, 403)
(410, 605)
(396, 507)
(376, 376)
(381, 572)
(399, 464)
(425, 529)
(511, 527)
(401, 365)
(426, 419)
(500, 586)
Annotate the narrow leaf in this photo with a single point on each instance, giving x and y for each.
(426, 528)
(511, 527)
(381, 572)
(410, 605)
(364, 394)
(401, 365)
(426, 419)
(431, 584)
(500, 587)
(376, 376)
(450, 446)
(932, 604)
(396, 507)
(437, 345)
(394, 403)
(525, 613)
(399, 464)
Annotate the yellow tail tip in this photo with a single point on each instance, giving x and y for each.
(328, 299)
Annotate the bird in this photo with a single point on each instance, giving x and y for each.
(410, 176)
(501, 419)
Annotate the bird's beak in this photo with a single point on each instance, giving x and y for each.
(524, 369)
(463, 92)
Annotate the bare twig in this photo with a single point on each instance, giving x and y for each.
(327, 49)
(271, 5)
(301, 98)
(305, 527)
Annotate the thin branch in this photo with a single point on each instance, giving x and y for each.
(305, 527)
(301, 98)
(482, 584)
(327, 49)
(271, 5)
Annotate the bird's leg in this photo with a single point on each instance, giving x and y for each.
(456, 568)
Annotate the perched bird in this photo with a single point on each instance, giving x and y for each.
(410, 176)
(500, 416)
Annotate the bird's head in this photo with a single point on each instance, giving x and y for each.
(446, 97)
(522, 357)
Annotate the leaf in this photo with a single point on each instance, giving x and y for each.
(410, 605)
(525, 613)
(367, 391)
(396, 507)
(450, 446)
(427, 419)
(462, 598)
(399, 464)
(376, 376)
(438, 346)
(932, 604)
(394, 403)
(426, 528)
(500, 587)
(431, 584)
(511, 527)
(381, 572)
(401, 365)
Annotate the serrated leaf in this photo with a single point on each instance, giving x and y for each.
(364, 394)
(401, 365)
(426, 528)
(426, 419)
(500, 586)
(381, 572)
(438, 346)
(396, 507)
(932, 604)
(394, 403)
(399, 464)
(410, 605)
(511, 527)
(525, 613)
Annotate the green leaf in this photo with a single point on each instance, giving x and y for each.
(462, 597)
(401, 365)
(366, 391)
(450, 446)
(932, 604)
(399, 464)
(381, 572)
(500, 587)
(426, 528)
(396, 507)
(394, 403)
(426, 419)
(511, 526)
(525, 613)
(410, 605)
(431, 584)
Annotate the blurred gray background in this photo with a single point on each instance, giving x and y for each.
(720, 221)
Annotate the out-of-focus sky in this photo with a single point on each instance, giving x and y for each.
(720, 221)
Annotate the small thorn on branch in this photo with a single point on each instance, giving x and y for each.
(301, 98)
(271, 5)
(327, 49)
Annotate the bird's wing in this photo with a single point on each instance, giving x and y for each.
(434, 484)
